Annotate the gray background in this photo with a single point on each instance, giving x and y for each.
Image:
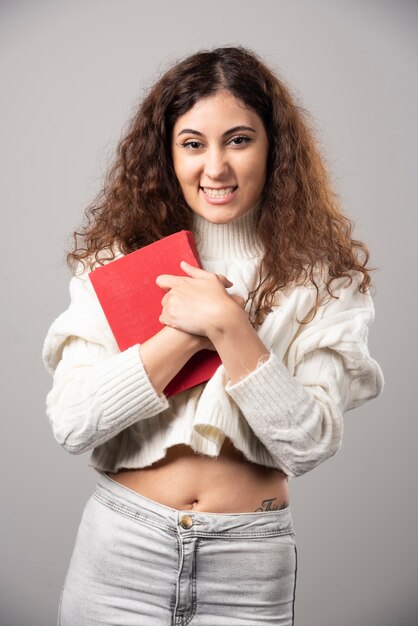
(71, 74)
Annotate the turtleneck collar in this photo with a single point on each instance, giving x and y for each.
(235, 240)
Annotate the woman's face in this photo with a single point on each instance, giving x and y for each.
(219, 149)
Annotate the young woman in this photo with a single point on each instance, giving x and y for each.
(190, 520)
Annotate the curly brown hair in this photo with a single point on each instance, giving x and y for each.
(299, 219)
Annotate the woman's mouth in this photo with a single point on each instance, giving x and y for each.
(218, 195)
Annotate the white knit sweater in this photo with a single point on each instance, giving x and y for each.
(287, 413)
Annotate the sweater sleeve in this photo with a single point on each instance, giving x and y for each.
(296, 410)
(97, 390)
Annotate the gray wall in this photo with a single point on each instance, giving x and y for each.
(71, 72)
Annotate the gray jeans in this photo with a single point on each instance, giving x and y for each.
(138, 562)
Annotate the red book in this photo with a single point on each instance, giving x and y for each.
(131, 300)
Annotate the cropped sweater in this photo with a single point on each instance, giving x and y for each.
(287, 413)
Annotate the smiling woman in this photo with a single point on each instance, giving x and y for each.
(218, 162)
(190, 520)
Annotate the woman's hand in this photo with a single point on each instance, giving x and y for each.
(197, 303)
(206, 343)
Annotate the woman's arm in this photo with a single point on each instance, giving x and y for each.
(295, 409)
(237, 343)
(98, 391)
(166, 353)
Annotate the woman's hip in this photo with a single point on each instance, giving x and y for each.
(134, 557)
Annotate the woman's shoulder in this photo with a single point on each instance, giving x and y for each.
(320, 280)
(83, 316)
(322, 295)
(83, 297)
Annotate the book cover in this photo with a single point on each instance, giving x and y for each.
(131, 300)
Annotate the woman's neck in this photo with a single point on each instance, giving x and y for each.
(234, 240)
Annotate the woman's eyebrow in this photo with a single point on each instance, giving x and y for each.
(235, 129)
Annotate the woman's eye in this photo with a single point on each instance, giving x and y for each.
(240, 140)
(192, 143)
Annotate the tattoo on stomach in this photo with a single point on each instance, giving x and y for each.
(267, 505)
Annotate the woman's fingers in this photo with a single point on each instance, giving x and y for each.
(224, 280)
(195, 303)
(166, 281)
(238, 300)
(200, 272)
(192, 269)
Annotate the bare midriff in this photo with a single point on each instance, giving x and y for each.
(228, 483)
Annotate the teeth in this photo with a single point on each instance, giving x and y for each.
(218, 193)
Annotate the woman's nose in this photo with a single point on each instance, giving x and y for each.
(216, 164)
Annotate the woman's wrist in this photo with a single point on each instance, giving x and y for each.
(164, 355)
(191, 343)
(240, 348)
(231, 316)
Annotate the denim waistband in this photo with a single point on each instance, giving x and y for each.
(189, 522)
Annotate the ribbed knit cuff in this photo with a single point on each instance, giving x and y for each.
(127, 393)
(268, 393)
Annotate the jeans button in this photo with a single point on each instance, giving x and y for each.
(186, 521)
